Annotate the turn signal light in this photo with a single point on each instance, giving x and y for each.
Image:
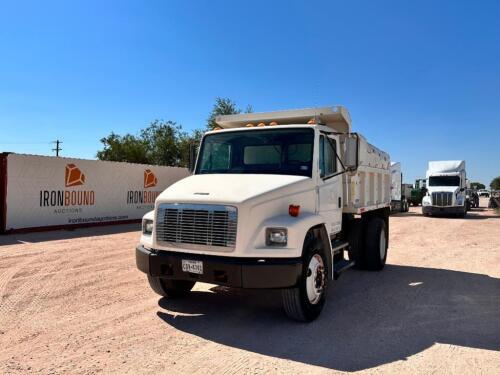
(293, 210)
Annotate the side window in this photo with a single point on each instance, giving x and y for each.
(327, 156)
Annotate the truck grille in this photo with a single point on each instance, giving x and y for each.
(197, 226)
(442, 199)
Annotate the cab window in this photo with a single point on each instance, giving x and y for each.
(327, 156)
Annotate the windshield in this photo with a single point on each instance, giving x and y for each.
(444, 181)
(276, 151)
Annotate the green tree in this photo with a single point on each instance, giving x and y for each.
(224, 106)
(161, 143)
(477, 185)
(495, 183)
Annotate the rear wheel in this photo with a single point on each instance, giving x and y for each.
(170, 288)
(305, 302)
(376, 244)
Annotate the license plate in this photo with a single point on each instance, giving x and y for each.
(192, 266)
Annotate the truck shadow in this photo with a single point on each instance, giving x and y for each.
(371, 318)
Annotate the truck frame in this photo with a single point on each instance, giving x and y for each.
(287, 200)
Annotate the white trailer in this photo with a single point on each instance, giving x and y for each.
(398, 191)
(446, 188)
(284, 200)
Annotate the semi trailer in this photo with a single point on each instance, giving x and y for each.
(286, 200)
(446, 188)
(399, 202)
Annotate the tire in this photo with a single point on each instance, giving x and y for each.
(464, 213)
(375, 253)
(356, 245)
(305, 302)
(170, 288)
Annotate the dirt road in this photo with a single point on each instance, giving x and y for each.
(74, 303)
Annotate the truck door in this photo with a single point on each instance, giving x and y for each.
(329, 184)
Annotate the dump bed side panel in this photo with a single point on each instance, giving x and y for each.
(369, 187)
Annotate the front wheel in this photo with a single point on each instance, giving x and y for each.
(305, 302)
(170, 288)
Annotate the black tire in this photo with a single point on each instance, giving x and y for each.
(374, 259)
(355, 237)
(295, 301)
(170, 288)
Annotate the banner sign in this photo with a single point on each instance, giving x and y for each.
(51, 191)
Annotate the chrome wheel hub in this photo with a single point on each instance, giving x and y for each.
(315, 281)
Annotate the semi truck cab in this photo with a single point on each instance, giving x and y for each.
(286, 200)
(446, 188)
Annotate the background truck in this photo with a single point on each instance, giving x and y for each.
(446, 188)
(398, 198)
(418, 192)
(284, 200)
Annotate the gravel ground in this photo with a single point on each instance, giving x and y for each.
(72, 302)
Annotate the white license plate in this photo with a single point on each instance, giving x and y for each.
(192, 266)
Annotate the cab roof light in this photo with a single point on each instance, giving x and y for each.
(261, 124)
(273, 123)
(294, 210)
(249, 125)
(217, 128)
(312, 121)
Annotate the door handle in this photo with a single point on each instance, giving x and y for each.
(340, 202)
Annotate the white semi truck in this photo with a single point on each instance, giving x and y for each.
(446, 188)
(284, 200)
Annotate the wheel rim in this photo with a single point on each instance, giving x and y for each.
(382, 244)
(315, 281)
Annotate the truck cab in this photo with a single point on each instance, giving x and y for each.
(446, 188)
(284, 200)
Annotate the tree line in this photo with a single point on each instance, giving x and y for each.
(162, 142)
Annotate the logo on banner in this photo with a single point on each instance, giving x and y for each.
(73, 176)
(150, 179)
(144, 197)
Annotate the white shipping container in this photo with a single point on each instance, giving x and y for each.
(42, 191)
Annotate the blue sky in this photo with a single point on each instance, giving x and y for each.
(421, 79)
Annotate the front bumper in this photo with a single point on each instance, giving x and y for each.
(228, 271)
(438, 210)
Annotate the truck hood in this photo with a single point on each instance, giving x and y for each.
(227, 188)
(446, 189)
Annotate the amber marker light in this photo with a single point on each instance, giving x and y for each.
(293, 210)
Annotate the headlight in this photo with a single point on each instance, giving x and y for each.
(147, 227)
(426, 201)
(276, 236)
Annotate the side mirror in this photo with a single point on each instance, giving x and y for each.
(351, 153)
(192, 157)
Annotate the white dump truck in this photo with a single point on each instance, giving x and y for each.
(446, 188)
(399, 191)
(284, 200)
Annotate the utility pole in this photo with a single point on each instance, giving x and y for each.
(57, 149)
